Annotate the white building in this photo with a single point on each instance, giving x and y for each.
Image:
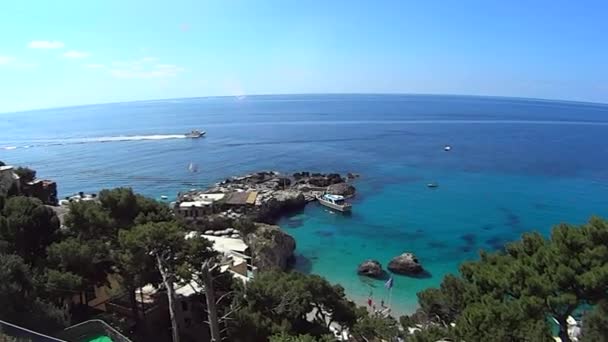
(198, 206)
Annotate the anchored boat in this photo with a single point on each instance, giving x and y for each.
(335, 202)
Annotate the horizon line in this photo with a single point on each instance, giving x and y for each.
(309, 94)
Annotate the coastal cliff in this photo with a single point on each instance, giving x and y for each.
(271, 248)
(263, 198)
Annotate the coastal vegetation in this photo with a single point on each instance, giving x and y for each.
(48, 267)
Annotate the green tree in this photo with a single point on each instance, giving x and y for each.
(121, 204)
(89, 259)
(176, 257)
(595, 323)
(290, 303)
(89, 220)
(433, 333)
(19, 301)
(442, 306)
(29, 227)
(375, 327)
(510, 295)
(301, 338)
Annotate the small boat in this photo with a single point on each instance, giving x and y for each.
(164, 197)
(195, 134)
(335, 202)
(192, 167)
(447, 148)
(432, 185)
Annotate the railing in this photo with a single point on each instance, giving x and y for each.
(89, 330)
(23, 334)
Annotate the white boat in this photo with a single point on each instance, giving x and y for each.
(192, 167)
(195, 134)
(164, 197)
(335, 202)
(447, 148)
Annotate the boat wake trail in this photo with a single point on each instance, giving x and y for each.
(74, 141)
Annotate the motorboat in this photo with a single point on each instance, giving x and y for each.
(195, 134)
(335, 202)
(164, 197)
(447, 148)
(432, 185)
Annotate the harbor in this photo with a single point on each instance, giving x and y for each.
(262, 196)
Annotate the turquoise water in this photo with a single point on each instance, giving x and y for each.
(516, 165)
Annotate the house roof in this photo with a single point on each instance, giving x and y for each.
(196, 204)
(224, 244)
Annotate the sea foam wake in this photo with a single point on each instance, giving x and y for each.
(73, 141)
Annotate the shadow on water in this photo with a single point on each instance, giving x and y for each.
(294, 222)
(496, 243)
(323, 233)
(437, 244)
(422, 275)
(384, 277)
(487, 226)
(512, 220)
(469, 238)
(466, 249)
(302, 263)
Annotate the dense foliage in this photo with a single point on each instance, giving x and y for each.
(511, 295)
(515, 294)
(290, 304)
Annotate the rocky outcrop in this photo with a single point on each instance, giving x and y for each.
(271, 248)
(351, 175)
(321, 180)
(406, 264)
(279, 203)
(343, 189)
(370, 268)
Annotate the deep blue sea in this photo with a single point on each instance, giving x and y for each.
(516, 165)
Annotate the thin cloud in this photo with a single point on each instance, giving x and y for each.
(156, 71)
(12, 62)
(45, 44)
(4, 60)
(76, 54)
(95, 66)
(143, 68)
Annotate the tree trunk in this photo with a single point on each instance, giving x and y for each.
(134, 308)
(170, 297)
(563, 329)
(211, 308)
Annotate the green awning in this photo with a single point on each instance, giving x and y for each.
(101, 338)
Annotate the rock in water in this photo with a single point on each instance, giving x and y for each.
(406, 264)
(271, 247)
(343, 189)
(370, 268)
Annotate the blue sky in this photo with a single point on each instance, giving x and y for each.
(60, 53)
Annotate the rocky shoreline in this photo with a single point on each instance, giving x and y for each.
(262, 198)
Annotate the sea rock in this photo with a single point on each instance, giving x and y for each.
(406, 264)
(343, 189)
(271, 248)
(370, 268)
(281, 202)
